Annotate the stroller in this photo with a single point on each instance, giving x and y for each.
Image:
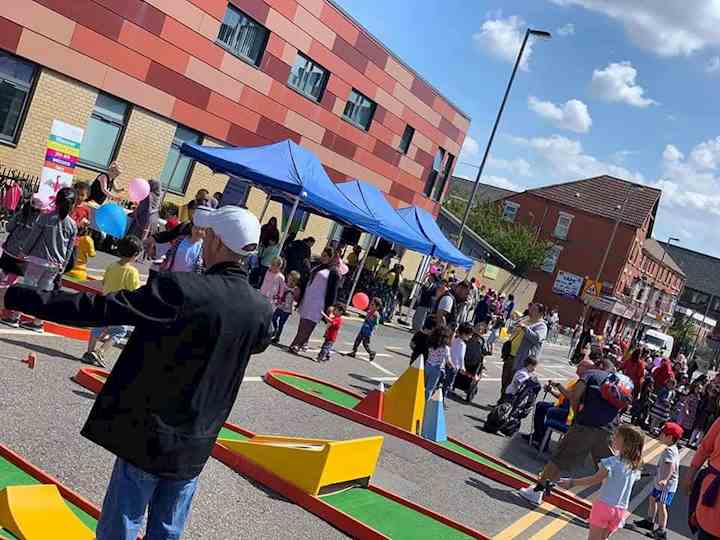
(467, 380)
(506, 417)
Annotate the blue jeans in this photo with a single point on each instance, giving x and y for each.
(432, 377)
(130, 492)
(279, 319)
(544, 411)
(450, 374)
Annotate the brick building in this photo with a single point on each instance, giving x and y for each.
(144, 76)
(639, 280)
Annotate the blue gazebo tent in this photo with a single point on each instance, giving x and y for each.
(424, 223)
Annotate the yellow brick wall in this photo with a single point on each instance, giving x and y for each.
(56, 98)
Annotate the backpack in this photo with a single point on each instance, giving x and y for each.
(617, 390)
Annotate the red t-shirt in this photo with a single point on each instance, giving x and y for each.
(78, 214)
(636, 372)
(662, 374)
(333, 328)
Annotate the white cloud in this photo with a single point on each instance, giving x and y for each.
(671, 154)
(470, 150)
(573, 115)
(566, 159)
(516, 167)
(501, 182)
(566, 30)
(502, 38)
(668, 28)
(713, 64)
(616, 83)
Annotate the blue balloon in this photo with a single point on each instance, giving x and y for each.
(111, 219)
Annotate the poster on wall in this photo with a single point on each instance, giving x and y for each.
(491, 272)
(567, 284)
(61, 157)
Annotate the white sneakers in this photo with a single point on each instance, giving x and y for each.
(530, 495)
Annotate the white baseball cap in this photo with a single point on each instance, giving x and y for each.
(236, 227)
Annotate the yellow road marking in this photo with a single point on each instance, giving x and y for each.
(557, 524)
(526, 521)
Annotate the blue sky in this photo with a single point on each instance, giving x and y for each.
(629, 91)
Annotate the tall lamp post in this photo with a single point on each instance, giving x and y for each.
(529, 32)
(670, 240)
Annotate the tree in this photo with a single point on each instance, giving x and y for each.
(684, 332)
(517, 242)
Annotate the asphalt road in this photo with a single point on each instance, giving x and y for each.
(42, 412)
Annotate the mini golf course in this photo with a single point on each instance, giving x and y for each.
(16, 471)
(342, 402)
(359, 509)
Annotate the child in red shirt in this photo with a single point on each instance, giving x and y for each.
(334, 321)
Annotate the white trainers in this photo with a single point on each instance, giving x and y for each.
(530, 495)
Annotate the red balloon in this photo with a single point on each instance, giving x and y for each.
(361, 301)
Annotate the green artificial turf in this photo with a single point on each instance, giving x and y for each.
(10, 475)
(388, 517)
(479, 459)
(226, 433)
(321, 390)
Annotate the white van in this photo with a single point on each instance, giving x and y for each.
(656, 341)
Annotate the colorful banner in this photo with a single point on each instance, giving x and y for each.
(61, 157)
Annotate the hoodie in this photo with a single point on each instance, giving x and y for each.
(51, 241)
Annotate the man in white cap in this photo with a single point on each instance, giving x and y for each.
(175, 382)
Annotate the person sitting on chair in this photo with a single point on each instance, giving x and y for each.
(558, 411)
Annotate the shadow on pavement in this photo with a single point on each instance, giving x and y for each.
(40, 349)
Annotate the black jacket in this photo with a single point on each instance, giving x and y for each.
(177, 378)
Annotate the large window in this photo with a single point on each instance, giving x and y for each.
(440, 186)
(359, 110)
(104, 131)
(562, 227)
(435, 172)
(242, 36)
(551, 259)
(16, 81)
(308, 78)
(177, 169)
(407, 138)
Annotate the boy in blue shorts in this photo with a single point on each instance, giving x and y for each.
(666, 482)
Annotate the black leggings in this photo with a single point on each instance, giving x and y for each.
(365, 340)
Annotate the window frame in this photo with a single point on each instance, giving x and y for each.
(118, 139)
(434, 173)
(405, 150)
(563, 215)
(510, 204)
(225, 46)
(29, 96)
(323, 85)
(352, 120)
(439, 188)
(188, 174)
(556, 248)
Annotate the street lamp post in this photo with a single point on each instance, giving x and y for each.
(529, 32)
(646, 308)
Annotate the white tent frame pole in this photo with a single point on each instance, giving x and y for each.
(358, 272)
(264, 210)
(421, 271)
(172, 174)
(290, 220)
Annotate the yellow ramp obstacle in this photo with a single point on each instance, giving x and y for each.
(404, 403)
(312, 464)
(39, 512)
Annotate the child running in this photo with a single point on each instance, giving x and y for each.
(666, 482)
(47, 248)
(119, 276)
(285, 304)
(18, 228)
(372, 318)
(617, 474)
(334, 321)
(438, 358)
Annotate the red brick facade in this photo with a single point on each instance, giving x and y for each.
(162, 55)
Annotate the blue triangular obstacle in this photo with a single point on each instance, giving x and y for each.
(434, 420)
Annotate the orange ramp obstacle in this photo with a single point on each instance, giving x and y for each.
(39, 512)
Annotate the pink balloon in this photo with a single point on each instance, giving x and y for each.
(138, 189)
(361, 301)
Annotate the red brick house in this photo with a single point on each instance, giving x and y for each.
(594, 220)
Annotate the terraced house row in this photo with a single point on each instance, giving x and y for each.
(144, 76)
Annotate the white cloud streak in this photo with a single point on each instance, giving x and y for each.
(573, 115)
(616, 83)
(502, 38)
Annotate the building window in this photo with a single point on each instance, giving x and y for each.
(407, 138)
(435, 172)
(440, 186)
(242, 36)
(510, 210)
(104, 131)
(16, 81)
(359, 110)
(551, 259)
(176, 172)
(308, 78)
(563, 226)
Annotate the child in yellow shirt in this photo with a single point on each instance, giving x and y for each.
(119, 276)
